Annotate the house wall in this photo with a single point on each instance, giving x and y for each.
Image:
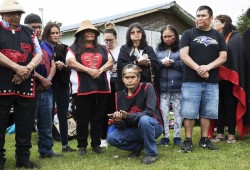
(152, 23)
(68, 38)
(157, 20)
(153, 37)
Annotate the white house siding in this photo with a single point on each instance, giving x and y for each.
(68, 38)
(153, 37)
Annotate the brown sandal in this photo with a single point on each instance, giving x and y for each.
(233, 140)
(217, 139)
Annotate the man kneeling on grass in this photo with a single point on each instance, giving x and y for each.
(137, 118)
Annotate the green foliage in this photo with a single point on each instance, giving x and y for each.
(230, 156)
(243, 23)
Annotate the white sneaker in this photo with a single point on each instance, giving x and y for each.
(104, 143)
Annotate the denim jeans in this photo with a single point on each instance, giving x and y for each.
(130, 139)
(43, 114)
(199, 99)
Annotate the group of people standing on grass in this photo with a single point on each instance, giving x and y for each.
(35, 77)
(202, 76)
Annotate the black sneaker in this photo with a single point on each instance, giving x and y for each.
(26, 164)
(187, 146)
(53, 155)
(208, 144)
(68, 149)
(82, 151)
(137, 152)
(98, 150)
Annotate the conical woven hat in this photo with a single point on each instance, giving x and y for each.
(10, 6)
(87, 25)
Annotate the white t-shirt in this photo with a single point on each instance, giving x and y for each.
(115, 52)
(73, 75)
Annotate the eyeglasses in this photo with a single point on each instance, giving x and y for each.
(136, 32)
(108, 40)
(53, 33)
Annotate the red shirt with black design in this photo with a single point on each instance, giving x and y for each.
(95, 60)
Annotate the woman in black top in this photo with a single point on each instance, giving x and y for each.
(137, 51)
(60, 82)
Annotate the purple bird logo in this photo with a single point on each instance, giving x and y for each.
(205, 40)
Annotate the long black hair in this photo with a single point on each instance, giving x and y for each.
(80, 41)
(175, 46)
(228, 27)
(129, 42)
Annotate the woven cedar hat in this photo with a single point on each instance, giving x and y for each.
(11, 6)
(87, 25)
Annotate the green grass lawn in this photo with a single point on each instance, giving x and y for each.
(230, 156)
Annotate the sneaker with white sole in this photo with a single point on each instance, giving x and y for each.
(208, 144)
(104, 143)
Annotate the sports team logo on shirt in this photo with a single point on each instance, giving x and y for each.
(205, 40)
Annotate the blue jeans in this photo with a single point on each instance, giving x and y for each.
(43, 114)
(199, 99)
(130, 139)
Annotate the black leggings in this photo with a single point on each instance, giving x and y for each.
(110, 108)
(90, 109)
(227, 108)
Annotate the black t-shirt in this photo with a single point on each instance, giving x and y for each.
(204, 47)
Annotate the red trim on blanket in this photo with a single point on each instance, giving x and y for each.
(233, 77)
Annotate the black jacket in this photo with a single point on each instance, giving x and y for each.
(126, 56)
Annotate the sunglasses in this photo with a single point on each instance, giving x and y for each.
(136, 32)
